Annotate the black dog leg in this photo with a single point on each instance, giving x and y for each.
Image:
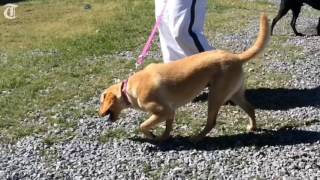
(295, 13)
(318, 27)
(282, 11)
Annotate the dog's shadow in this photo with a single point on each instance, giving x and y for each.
(279, 99)
(4, 2)
(283, 136)
(263, 98)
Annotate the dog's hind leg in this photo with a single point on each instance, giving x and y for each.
(282, 11)
(295, 14)
(213, 109)
(240, 99)
(216, 98)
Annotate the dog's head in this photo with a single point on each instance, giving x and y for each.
(111, 103)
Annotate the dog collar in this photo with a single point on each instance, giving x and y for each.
(124, 92)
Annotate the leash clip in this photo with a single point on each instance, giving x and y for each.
(140, 61)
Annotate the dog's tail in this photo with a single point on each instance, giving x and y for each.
(261, 41)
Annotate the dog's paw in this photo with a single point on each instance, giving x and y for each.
(251, 128)
(150, 135)
(300, 34)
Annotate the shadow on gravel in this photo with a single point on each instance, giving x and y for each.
(279, 99)
(3, 2)
(283, 99)
(263, 138)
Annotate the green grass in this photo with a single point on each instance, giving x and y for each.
(51, 49)
(54, 56)
(230, 16)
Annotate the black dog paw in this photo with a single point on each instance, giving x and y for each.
(300, 34)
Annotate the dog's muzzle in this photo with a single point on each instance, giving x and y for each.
(111, 115)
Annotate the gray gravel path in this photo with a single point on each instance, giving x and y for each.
(273, 153)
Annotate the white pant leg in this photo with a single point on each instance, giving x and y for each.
(169, 47)
(181, 31)
(199, 22)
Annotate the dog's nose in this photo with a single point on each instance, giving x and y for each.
(102, 113)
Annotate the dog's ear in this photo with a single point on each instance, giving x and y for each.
(107, 100)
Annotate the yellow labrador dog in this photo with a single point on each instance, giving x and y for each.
(161, 88)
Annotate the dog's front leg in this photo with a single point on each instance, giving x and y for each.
(166, 134)
(147, 126)
(154, 119)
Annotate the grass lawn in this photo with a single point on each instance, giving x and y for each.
(53, 57)
(48, 55)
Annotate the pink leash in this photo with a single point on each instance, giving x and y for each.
(151, 38)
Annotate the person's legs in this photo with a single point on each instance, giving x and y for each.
(169, 47)
(181, 29)
(198, 27)
(186, 24)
